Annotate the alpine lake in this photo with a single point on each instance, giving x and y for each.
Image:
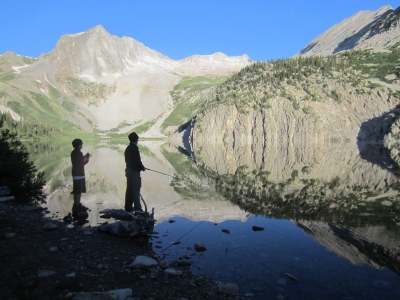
(316, 226)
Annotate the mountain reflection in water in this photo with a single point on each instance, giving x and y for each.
(345, 203)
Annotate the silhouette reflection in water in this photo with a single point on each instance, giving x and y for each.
(79, 214)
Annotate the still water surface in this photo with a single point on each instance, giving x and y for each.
(333, 225)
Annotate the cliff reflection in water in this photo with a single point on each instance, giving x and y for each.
(346, 203)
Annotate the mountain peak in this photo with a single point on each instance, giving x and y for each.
(365, 29)
(383, 9)
(97, 29)
(97, 55)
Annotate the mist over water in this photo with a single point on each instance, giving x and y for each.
(331, 216)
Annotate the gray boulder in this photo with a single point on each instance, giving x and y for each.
(143, 262)
(173, 272)
(228, 289)
(199, 247)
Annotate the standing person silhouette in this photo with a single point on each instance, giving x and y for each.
(78, 172)
(134, 166)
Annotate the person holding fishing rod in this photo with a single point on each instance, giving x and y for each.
(134, 166)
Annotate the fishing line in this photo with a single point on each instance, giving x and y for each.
(184, 235)
(182, 180)
(188, 181)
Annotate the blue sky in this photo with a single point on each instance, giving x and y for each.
(263, 29)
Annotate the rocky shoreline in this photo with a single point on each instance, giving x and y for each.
(42, 258)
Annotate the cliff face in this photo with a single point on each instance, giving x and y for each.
(293, 112)
(224, 139)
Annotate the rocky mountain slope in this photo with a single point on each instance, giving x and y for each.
(98, 83)
(307, 102)
(93, 81)
(305, 113)
(365, 30)
(302, 138)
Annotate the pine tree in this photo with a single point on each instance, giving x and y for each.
(17, 171)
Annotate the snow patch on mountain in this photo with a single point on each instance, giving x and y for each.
(17, 69)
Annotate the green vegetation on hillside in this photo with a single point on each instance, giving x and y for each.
(25, 129)
(300, 80)
(5, 77)
(144, 127)
(46, 111)
(193, 84)
(311, 78)
(377, 64)
(88, 91)
(188, 96)
(68, 105)
(43, 114)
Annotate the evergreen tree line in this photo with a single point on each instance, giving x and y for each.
(25, 129)
(294, 68)
(254, 85)
(376, 64)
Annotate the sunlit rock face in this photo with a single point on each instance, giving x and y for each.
(392, 140)
(362, 114)
(281, 138)
(285, 163)
(364, 30)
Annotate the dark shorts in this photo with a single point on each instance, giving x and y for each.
(79, 186)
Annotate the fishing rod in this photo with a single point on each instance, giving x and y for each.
(191, 182)
(162, 173)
